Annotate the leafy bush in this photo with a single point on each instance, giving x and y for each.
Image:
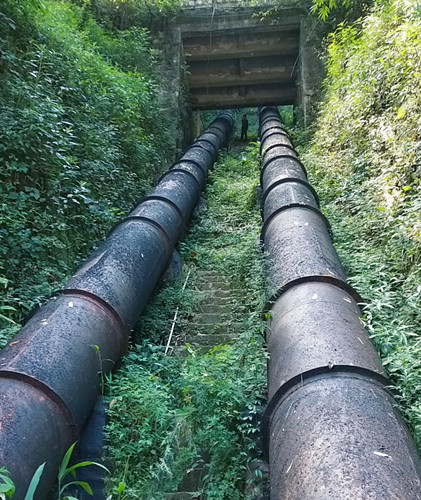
(81, 138)
(124, 14)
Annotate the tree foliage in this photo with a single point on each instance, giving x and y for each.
(81, 138)
(124, 14)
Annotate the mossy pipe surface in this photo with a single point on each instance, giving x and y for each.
(50, 374)
(331, 429)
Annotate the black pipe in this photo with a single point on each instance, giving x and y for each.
(268, 113)
(272, 125)
(291, 234)
(273, 140)
(50, 374)
(331, 428)
(281, 167)
(287, 192)
(279, 152)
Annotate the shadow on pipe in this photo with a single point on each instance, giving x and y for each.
(49, 374)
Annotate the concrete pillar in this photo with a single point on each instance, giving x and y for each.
(310, 70)
(174, 98)
(198, 123)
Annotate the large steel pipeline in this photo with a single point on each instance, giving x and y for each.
(50, 372)
(331, 428)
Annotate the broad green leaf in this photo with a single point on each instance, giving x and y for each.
(62, 473)
(86, 486)
(121, 487)
(5, 318)
(5, 488)
(34, 482)
(8, 485)
(401, 113)
(70, 470)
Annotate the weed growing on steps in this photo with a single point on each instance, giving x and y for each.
(169, 415)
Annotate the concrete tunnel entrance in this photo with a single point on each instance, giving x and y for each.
(236, 57)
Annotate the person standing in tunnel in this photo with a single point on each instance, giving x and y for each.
(244, 127)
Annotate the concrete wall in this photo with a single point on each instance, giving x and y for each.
(226, 56)
(175, 101)
(224, 3)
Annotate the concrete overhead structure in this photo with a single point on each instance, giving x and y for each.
(238, 57)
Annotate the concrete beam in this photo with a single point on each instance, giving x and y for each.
(229, 97)
(243, 71)
(246, 75)
(217, 22)
(230, 46)
(235, 81)
(237, 58)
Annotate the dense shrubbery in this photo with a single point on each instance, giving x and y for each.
(126, 13)
(81, 138)
(365, 160)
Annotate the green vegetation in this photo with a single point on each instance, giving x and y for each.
(170, 414)
(124, 14)
(7, 486)
(66, 477)
(82, 136)
(336, 10)
(365, 164)
(66, 470)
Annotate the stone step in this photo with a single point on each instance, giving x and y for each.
(207, 299)
(206, 274)
(219, 293)
(213, 285)
(215, 307)
(210, 339)
(214, 294)
(212, 317)
(215, 328)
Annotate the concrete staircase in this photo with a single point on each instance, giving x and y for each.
(214, 322)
